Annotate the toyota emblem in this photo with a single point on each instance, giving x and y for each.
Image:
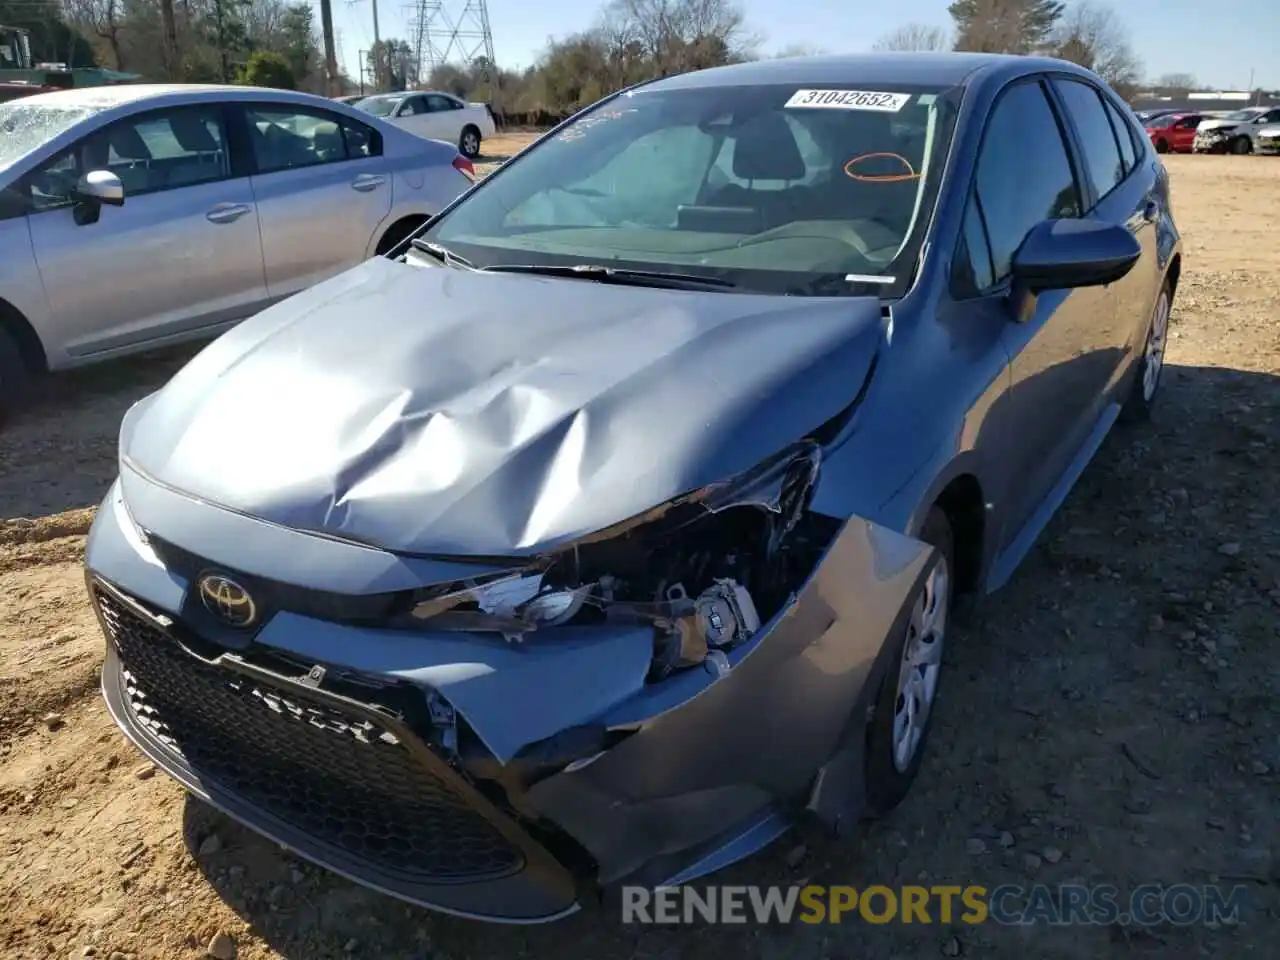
(228, 601)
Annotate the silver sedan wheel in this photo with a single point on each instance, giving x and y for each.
(470, 144)
(921, 664)
(1154, 353)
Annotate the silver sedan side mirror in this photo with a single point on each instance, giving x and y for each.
(102, 186)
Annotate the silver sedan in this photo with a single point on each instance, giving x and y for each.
(139, 216)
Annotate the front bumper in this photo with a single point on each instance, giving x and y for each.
(1211, 144)
(338, 782)
(590, 776)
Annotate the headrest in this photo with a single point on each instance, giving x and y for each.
(192, 133)
(128, 143)
(765, 149)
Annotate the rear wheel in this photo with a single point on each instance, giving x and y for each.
(1146, 382)
(469, 142)
(903, 713)
(1162, 146)
(397, 233)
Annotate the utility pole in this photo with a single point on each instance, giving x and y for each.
(381, 56)
(222, 41)
(330, 57)
(172, 58)
(361, 55)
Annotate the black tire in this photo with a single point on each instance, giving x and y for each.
(469, 141)
(886, 784)
(15, 377)
(1142, 396)
(397, 233)
(1162, 146)
(1241, 145)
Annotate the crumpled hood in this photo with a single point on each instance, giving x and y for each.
(1206, 125)
(433, 410)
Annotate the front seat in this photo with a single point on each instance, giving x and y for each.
(764, 148)
(206, 160)
(121, 149)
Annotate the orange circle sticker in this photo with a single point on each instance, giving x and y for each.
(880, 168)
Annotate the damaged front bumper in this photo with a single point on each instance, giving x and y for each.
(467, 772)
(1211, 143)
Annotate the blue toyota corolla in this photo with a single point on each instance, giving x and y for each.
(612, 525)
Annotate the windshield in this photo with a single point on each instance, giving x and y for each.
(24, 127)
(1240, 115)
(773, 189)
(378, 106)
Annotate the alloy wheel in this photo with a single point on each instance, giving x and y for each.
(921, 665)
(1154, 352)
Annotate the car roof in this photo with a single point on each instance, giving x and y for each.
(119, 95)
(867, 69)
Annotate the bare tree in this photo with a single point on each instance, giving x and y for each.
(1004, 26)
(914, 36)
(799, 50)
(1177, 81)
(679, 35)
(1091, 35)
(103, 19)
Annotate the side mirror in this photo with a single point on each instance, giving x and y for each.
(96, 188)
(102, 186)
(1063, 254)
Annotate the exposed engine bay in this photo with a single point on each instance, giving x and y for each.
(705, 570)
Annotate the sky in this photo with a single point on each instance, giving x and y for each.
(1221, 43)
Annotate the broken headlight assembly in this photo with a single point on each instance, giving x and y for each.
(705, 571)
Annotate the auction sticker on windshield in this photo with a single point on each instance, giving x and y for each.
(849, 100)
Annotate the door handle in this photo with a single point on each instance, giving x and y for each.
(368, 181)
(227, 212)
(1150, 211)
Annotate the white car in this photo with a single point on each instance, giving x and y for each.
(1267, 140)
(137, 216)
(1234, 132)
(436, 116)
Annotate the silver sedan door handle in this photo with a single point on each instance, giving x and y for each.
(227, 212)
(368, 181)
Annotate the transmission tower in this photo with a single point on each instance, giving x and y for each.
(452, 31)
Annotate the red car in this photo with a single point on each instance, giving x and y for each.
(1174, 132)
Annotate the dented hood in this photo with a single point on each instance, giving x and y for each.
(433, 410)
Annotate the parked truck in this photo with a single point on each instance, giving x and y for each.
(18, 76)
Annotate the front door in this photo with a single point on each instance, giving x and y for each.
(182, 254)
(322, 189)
(415, 115)
(1024, 176)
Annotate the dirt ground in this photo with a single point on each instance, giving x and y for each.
(1113, 716)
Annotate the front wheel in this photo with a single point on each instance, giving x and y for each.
(14, 376)
(1241, 145)
(903, 712)
(469, 143)
(1146, 382)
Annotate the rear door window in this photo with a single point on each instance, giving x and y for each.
(1128, 153)
(1102, 160)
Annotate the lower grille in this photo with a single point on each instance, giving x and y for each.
(304, 759)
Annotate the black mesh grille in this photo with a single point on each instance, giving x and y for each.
(304, 759)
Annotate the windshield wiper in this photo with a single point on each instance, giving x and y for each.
(441, 253)
(618, 275)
